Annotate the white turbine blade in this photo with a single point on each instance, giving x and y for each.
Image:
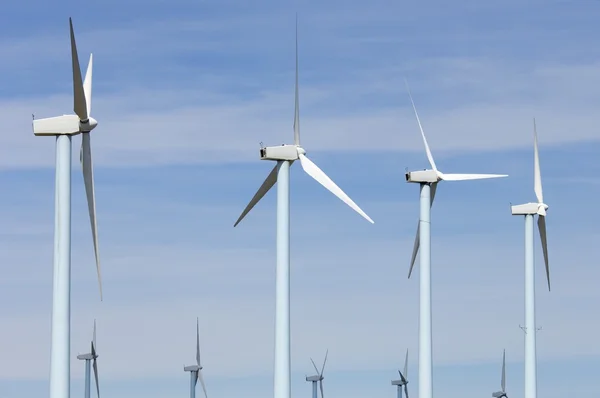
(95, 365)
(418, 236)
(427, 150)
(264, 188)
(315, 366)
(503, 379)
(202, 382)
(315, 172)
(406, 390)
(297, 96)
(197, 343)
(542, 229)
(406, 365)
(94, 338)
(324, 362)
(88, 178)
(79, 103)
(537, 177)
(321, 387)
(466, 177)
(87, 86)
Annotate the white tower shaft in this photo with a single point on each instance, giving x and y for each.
(61, 301)
(425, 339)
(530, 328)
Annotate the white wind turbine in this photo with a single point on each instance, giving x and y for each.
(64, 127)
(502, 392)
(285, 155)
(428, 180)
(529, 210)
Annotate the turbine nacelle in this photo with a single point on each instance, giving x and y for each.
(423, 176)
(282, 152)
(314, 378)
(529, 208)
(63, 125)
(499, 394)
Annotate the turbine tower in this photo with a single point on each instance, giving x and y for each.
(529, 210)
(91, 356)
(318, 377)
(285, 155)
(403, 381)
(502, 392)
(64, 127)
(428, 180)
(196, 370)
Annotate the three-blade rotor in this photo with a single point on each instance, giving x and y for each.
(308, 166)
(439, 176)
(82, 105)
(199, 372)
(320, 373)
(502, 392)
(94, 362)
(542, 207)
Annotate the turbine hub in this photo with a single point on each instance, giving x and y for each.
(89, 125)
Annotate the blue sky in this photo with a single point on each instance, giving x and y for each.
(185, 91)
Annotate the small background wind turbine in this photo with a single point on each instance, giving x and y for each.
(428, 180)
(318, 378)
(285, 156)
(91, 356)
(529, 210)
(502, 392)
(196, 370)
(64, 127)
(403, 381)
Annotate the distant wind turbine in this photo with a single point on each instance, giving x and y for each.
(285, 155)
(529, 210)
(318, 378)
(428, 180)
(91, 356)
(403, 381)
(502, 392)
(196, 370)
(64, 127)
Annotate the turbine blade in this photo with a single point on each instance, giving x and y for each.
(466, 177)
(264, 188)
(315, 366)
(406, 390)
(96, 377)
(427, 150)
(321, 387)
(537, 177)
(315, 172)
(94, 338)
(88, 178)
(79, 103)
(406, 365)
(297, 96)
(197, 343)
(503, 382)
(324, 362)
(542, 229)
(87, 86)
(202, 382)
(418, 236)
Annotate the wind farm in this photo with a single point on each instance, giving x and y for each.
(293, 293)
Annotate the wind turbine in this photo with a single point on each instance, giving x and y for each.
(502, 392)
(196, 370)
(64, 127)
(428, 180)
(91, 356)
(529, 210)
(285, 155)
(318, 377)
(403, 381)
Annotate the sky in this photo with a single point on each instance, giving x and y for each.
(184, 93)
